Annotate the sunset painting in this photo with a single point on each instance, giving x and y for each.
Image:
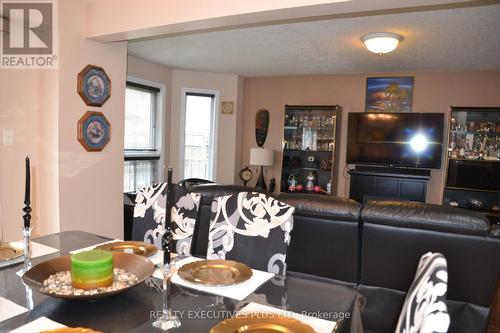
(389, 94)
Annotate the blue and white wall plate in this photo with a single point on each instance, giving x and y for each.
(94, 131)
(94, 85)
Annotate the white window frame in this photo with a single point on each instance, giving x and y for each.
(214, 142)
(159, 126)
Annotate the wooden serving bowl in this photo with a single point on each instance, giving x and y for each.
(141, 267)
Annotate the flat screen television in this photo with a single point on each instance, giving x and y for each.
(395, 139)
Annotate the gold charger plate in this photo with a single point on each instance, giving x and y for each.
(140, 248)
(71, 330)
(215, 273)
(261, 323)
(8, 252)
(141, 267)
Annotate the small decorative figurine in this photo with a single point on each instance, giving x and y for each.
(292, 182)
(311, 180)
(329, 186)
(272, 184)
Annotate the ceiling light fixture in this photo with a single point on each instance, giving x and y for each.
(381, 42)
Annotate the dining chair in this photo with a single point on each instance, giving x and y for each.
(190, 182)
(150, 212)
(252, 228)
(424, 309)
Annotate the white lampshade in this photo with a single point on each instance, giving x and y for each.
(381, 42)
(261, 156)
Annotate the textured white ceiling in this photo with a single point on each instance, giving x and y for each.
(449, 39)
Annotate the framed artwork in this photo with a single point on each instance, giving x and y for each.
(94, 131)
(227, 107)
(94, 85)
(389, 94)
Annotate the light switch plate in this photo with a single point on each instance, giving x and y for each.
(8, 137)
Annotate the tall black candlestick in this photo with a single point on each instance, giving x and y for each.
(166, 244)
(167, 236)
(27, 208)
(28, 176)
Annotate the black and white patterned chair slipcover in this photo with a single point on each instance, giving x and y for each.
(424, 309)
(149, 216)
(251, 228)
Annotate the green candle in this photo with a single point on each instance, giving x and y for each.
(92, 269)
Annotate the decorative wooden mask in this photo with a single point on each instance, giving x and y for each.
(261, 126)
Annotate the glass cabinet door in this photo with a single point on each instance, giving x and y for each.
(474, 135)
(309, 137)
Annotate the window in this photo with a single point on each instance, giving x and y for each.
(142, 136)
(200, 120)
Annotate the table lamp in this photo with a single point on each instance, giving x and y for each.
(261, 157)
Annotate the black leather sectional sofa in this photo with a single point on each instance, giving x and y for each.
(376, 249)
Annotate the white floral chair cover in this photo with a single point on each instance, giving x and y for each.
(424, 309)
(149, 216)
(251, 228)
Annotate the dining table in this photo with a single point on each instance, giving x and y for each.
(136, 309)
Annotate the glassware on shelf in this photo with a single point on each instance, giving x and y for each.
(309, 133)
(474, 134)
(309, 139)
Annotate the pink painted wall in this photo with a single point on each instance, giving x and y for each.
(19, 107)
(90, 183)
(72, 189)
(433, 92)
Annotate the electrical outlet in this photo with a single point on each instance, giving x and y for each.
(8, 137)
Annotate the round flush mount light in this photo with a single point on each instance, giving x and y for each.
(381, 42)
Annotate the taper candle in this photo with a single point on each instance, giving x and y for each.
(27, 208)
(28, 181)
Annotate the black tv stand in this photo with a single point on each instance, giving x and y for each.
(388, 183)
(394, 170)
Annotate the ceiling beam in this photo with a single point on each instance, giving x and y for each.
(118, 20)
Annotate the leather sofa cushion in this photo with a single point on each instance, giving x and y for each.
(383, 307)
(313, 205)
(391, 254)
(418, 215)
(324, 247)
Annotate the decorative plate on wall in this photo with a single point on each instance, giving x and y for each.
(94, 85)
(94, 131)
